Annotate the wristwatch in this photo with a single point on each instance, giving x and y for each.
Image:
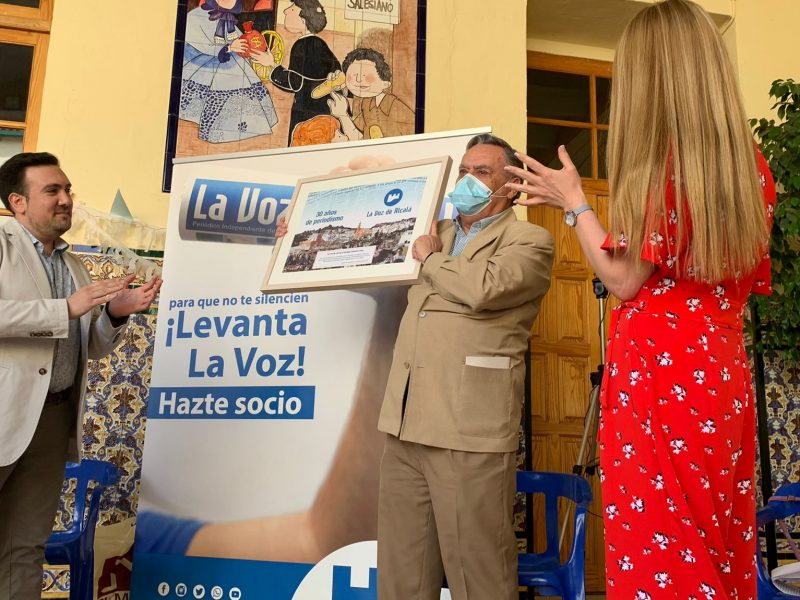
(571, 216)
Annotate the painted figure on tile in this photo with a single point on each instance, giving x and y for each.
(261, 13)
(376, 113)
(220, 90)
(310, 61)
(322, 129)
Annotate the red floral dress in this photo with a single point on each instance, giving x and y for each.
(677, 434)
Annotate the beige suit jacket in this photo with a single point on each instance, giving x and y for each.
(30, 322)
(468, 316)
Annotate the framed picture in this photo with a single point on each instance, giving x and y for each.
(355, 229)
(252, 75)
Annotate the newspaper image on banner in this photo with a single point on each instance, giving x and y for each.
(243, 212)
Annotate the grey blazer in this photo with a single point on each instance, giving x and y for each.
(30, 322)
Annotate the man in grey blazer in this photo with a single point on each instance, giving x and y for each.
(453, 402)
(52, 319)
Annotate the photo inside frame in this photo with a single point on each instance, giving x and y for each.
(357, 228)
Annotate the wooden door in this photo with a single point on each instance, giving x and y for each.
(565, 349)
(568, 104)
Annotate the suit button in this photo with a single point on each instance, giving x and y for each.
(422, 314)
(406, 365)
(42, 371)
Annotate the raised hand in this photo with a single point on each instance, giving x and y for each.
(129, 301)
(281, 229)
(338, 104)
(94, 294)
(559, 188)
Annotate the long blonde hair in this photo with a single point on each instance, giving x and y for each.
(676, 110)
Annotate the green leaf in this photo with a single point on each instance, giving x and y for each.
(780, 142)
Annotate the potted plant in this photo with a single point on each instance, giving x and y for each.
(779, 314)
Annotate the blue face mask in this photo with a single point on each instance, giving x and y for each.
(470, 196)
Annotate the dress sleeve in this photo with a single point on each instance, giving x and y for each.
(158, 533)
(762, 282)
(658, 246)
(610, 244)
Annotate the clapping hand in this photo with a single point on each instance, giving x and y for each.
(95, 294)
(132, 300)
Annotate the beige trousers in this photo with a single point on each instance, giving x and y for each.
(30, 490)
(446, 512)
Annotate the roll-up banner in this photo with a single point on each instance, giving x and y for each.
(261, 454)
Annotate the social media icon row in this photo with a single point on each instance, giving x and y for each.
(199, 591)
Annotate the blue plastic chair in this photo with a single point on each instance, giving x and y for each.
(544, 571)
(75, 546)
(774, 510)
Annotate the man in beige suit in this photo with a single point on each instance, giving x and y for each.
(453, 402)
(52, 319)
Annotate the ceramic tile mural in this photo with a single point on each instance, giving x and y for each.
(783, 410)
(782, 387)
(113, 428)
(263, 74)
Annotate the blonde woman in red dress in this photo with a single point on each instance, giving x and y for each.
(691, 202)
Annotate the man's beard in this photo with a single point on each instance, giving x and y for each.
(60, 227)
